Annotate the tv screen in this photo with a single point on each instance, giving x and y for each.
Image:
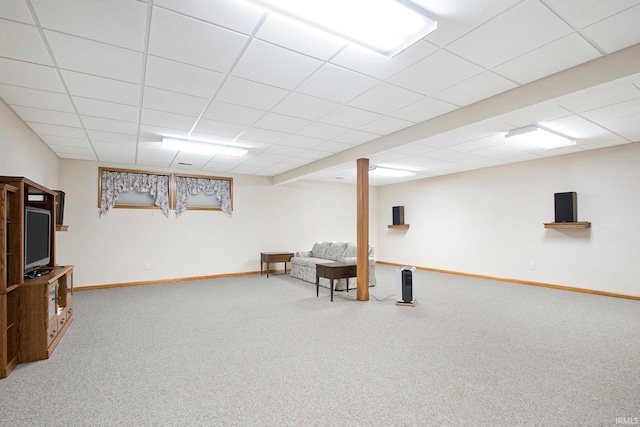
(37, 238)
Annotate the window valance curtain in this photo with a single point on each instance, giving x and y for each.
(114, 183)
(221, 188)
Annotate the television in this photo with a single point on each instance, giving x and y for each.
(37, 238)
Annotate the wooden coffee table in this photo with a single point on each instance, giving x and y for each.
(334, 270)
(270, 257)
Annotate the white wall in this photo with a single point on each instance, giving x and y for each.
(22, 153)
(114, 248)
(490, 222)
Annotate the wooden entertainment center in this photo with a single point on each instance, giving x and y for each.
(34, 312)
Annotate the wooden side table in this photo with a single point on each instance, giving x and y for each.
(270, 257)
(334, 270)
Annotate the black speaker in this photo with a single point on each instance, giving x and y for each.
(566, 206)
(398, 215)
(60, 208)
(407, 286)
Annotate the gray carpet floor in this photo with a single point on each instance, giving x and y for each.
(258, 351)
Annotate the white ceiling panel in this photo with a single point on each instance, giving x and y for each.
(347, 116)
(38, 115)
(607, 35)
(215, 128)
(63, 140)
(264, 63)
(322, 131)
(336, 84)
(236, 114)
(16, 10)
(548, 59)
(519, 30)
(235, 15)
(385, 98)
(356, 137)
(109, 125)
(173, 102)
(435, 73)
(98, 58)
(476, 88)
(29, 75)
(105, 89)
(250, 94)
(194, 42)
(613, 111)
(305, 106)
(183, 78)
(424, 109)
(281, 123)
(169, 120)
(600, 96)
(42, 129)
(582, 13)
(30, 48)
(14, 95)
(625, 126)
(116, 22)
(111, 137)
(109, 110)
(385, 125)
(298, 37)
(300, 141)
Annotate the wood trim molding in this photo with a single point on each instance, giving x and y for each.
(522, 282)
(162, 281)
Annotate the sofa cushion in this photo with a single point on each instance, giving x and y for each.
(335, 251)
(319, 249)
(350, 251)
(309, 262)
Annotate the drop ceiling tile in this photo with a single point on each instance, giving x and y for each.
(613, 111)
(625, 126)
(424, 109)
(532, 115)
(71, 152)
(385, 98)
(108, 110)
(300, 141)
(322, 131)
(98, 136)
(579, 128)
(472, 145)
(290, 34)
(235, 15)
(55, 130)
(101, 88)
(190, 159)
(336, 84)
(14, 95)
(476, 88)
(333, 146)
(154, 132)
(507, 153)
(222, 164)
(177, 77)
(155, 156)
(356, 137)
(222, 129)
(116, 22)
(173, 102)
(250, 94)
(29, 75)
(63, 140)
(29, 49)
(16, 10)
(581, 14)
(617, 32)
(349, 117)
(263, 62)
(194, 42)
(167, 120)
(556, 56)
(263, 135)
(117, 157)
(435, 73)
(305, 106)
(379, 66)
(97, 58)
(281, 123)
(222, 111)
(525, 27)
(599, 96)
(385, 125)
(109, 125)
(38, 115)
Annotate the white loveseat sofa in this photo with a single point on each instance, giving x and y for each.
(303, 264)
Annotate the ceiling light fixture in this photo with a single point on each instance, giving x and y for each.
(385, 171)
(202, 147)
(540, 137)
(385, 26)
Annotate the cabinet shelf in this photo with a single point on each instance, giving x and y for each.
(578, 224)
(398, 226)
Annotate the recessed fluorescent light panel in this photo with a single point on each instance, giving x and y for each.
(385, 171)
(385, 26)
(540, 137)
(201, 147)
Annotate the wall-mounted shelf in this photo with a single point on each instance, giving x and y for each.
(578, 224)
(398, 226)
(62, 227)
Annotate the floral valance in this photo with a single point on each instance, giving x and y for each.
(114, 183)
(220, 188)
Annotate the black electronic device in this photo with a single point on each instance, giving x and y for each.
(37, 238)
(407, 286)
(566, 207)
(398, 215)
